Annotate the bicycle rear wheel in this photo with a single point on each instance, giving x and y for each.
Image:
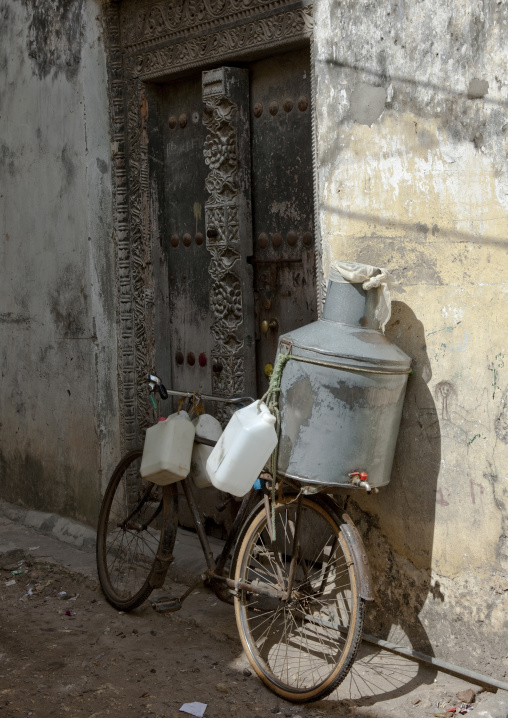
(129, 533)
(303, 646)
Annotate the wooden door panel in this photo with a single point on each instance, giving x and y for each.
(184, 236)
(282, 182)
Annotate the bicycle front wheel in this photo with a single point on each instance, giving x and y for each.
(301, 645)
(129, 534)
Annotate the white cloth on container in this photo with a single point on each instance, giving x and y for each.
(370, 278)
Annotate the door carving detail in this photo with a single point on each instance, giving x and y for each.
(161, 21)
(162, 18)
(221, 44)
(132, 234)
(228, 221)
(139, 254)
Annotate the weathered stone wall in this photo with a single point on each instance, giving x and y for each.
(412, 141)
(58, 395)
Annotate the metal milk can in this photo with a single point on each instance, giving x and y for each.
(341, 402)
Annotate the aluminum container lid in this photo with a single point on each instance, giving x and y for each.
(337, 343)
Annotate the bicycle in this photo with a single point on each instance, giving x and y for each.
(299, 586)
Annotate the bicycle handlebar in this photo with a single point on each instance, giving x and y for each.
(156, 385)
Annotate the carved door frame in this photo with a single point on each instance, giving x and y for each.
(154, 40)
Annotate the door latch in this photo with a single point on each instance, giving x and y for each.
(273, 324)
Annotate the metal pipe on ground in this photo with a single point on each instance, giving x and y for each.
(459, 671)
(437, 663)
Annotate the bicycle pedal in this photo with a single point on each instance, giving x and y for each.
(166, 603)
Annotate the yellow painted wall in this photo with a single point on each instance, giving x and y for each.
(420, 186)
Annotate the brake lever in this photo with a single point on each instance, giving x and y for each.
(155, 384)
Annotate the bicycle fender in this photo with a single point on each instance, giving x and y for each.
(360, 559)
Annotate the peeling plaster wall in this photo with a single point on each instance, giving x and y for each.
(58, 394)
(412, 137)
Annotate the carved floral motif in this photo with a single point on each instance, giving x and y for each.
(165, 18)
(220, 148)
(222, 216)
(149, 62)
(226, 302)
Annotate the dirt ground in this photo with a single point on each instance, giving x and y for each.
(64, 651)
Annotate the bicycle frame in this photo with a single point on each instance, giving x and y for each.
(290, 588)
(215, 567)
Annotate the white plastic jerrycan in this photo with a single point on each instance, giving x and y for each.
(168, 449)
(207, 427)
(243, 449)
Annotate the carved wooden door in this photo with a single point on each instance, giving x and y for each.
(236, 216)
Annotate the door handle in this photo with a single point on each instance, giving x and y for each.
(273, 324)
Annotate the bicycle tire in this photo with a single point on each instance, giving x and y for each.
(295, 646)
(128, 534)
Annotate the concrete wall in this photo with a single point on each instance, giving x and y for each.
(58, 396)
(412, 132)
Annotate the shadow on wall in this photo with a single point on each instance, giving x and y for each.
(398, 523)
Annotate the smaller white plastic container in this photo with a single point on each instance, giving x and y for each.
(208, 428)
(168, 449)
(243, 449)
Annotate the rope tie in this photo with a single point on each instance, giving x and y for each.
(271, 399)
